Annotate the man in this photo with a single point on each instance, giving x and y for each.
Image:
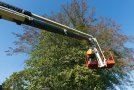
(91, 61)
(91, 55)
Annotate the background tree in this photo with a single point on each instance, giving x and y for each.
(57, 62)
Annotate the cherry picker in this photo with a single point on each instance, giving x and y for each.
(20, 16)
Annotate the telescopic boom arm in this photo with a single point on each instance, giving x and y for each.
(20, 16)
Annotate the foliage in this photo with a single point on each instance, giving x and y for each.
(57, 62)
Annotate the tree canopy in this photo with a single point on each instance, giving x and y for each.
(57, 62)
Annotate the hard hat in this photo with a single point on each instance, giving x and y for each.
(90, 51)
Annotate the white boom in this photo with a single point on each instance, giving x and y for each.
(20, 16)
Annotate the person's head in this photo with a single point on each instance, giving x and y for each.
(90, 51)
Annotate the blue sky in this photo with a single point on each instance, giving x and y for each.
(122, 11)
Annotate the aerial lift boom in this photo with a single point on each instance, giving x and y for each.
(20, 16)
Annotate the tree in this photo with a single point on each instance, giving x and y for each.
(57, 62)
